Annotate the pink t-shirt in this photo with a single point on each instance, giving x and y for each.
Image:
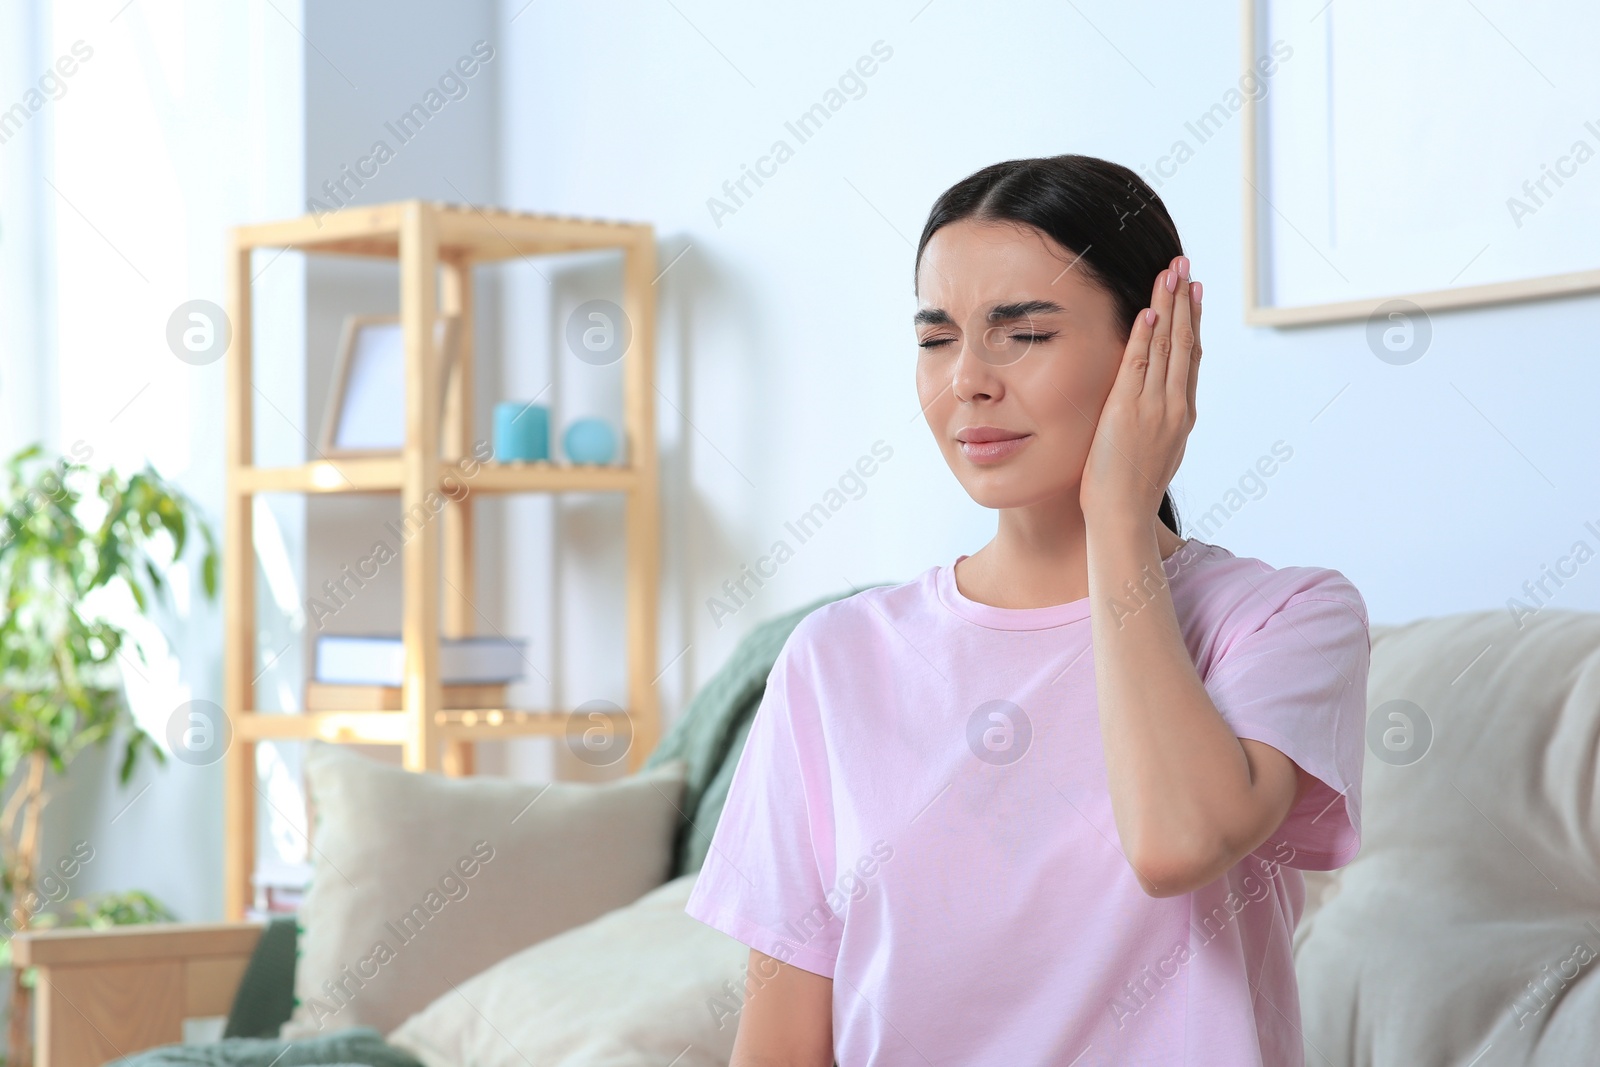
(921, 814)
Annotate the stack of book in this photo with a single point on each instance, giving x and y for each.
(280, 888)
(365, 672)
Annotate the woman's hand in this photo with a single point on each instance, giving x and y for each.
(1149, 412)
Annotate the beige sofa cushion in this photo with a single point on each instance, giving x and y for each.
(1468, 928)
(646, 985)
(421, 881)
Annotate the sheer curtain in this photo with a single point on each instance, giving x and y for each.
(133, 134)
(26, 267)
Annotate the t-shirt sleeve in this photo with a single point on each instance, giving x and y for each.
(771, 855)
(1299, 684)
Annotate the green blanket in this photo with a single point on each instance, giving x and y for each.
(710, 733)
(708, 736)
(358, 1045)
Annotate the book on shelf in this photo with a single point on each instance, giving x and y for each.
(379, 659)
(280, 888)
(325, 696)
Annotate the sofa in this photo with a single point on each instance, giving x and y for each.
(1463, 933)
(1467, 929)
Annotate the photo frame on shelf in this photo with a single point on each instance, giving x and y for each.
(366, 411)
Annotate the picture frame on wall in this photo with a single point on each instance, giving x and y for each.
(1394, 160)
(366, 410)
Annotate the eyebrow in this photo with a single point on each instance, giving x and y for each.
(1019, 309)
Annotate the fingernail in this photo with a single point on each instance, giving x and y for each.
(1172, 282)
(1195, 289)
(1149, 316)
(1183, 267)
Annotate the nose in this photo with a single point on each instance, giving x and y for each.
(976, 374)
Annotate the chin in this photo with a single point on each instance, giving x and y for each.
(999, 489)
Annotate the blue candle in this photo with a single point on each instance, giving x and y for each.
(590, 441)
(521, 431)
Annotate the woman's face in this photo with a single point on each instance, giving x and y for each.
(1013, 338)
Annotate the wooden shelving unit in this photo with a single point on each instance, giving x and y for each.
(437, 246)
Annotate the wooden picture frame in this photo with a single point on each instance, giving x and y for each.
(371, 353)
(1259, 212)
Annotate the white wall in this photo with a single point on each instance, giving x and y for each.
(786, 347)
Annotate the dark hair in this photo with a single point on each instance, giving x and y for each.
(1102, 212)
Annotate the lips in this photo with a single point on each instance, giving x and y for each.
(990, 444)
(982, 435)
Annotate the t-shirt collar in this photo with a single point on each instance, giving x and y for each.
(998, 618)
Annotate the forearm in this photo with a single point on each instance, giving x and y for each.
(1180, 780)
(787, 1020)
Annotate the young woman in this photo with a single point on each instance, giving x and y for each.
(1048, 804)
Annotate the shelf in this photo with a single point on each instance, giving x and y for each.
(551, 478)
(482, 235)
(367, 475)
(436, 248)
(390, 727)
(383, 475)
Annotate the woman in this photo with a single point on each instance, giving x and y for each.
(1047, 804)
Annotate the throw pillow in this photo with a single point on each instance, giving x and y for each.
(646, 984)
(421, 881)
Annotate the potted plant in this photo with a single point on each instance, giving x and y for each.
(69, 536)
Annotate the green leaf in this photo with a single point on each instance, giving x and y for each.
(138, 742)
(66, 531)
(173, 518)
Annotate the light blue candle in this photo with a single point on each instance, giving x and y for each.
(521, 431)
(590, 441)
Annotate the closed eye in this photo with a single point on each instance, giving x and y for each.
(1025, 338)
